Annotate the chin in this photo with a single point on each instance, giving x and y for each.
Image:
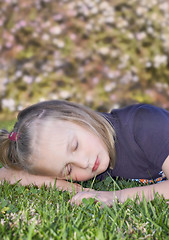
(105, 167)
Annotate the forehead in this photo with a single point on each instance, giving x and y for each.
(49, 143)
(51, 128)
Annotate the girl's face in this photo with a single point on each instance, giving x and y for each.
(68, 151)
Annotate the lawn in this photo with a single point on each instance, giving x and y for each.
(45, 213)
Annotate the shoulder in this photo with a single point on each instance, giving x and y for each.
(139, 115)
(143, 111)
(132, 113)
(150, 114)
(141, 107)
(149, 108)
(151, 131)
(151, 123)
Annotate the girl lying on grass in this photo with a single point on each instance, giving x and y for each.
(64, 140)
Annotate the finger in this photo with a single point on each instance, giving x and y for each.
(89, 189)
(77, 199)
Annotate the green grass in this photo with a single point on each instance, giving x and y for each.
(7, 124)
(45, 213)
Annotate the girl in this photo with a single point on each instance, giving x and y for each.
(64, 140)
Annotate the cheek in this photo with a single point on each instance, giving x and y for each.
(81, 176)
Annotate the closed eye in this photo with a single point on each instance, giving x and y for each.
(75, 145)
(68, 169)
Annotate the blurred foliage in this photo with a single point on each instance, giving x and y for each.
(100, 53)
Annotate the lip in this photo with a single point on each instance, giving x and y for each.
(96, 165)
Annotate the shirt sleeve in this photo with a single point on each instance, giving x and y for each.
(151, 132)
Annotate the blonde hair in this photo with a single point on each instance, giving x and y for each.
(16, 154)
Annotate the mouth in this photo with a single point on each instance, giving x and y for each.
(96, 165)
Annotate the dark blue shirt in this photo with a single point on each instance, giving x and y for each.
(142, 141)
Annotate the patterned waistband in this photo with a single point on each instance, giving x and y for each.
(148, 181)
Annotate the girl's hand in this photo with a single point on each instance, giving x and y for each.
(104, 197)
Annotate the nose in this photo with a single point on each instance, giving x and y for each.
(81, 162)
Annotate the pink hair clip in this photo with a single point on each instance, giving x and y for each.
(13, 136)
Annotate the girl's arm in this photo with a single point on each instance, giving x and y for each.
(25, 178)
(146, 191)
(160, 188)
(107, 197)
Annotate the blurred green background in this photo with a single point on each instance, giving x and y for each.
(105, 54)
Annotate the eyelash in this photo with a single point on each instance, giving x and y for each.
(69, 169)
(69, 166)
(76, 146)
